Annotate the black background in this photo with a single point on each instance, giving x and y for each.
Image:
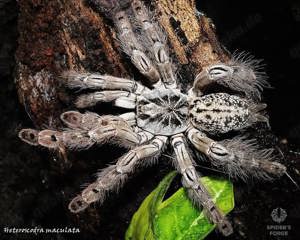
(32, 189)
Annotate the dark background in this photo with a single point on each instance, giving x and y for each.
(33, 189)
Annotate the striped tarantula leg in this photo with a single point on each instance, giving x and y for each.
(102, 128)
(134, 49)
(239, 157)
(97, 81)
(90, 120)
(242, 73)
(86, 130)
(29, 136)
(114, 176)
(78, 204)
(196, 189)
(122, 99)
(120, 132)
(72, 119)
(57, 140)
(77, 120)
(144, 135)
(130, 118)
(156, 41)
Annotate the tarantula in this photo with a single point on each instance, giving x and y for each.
(163, 114)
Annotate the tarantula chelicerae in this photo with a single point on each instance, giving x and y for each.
(162, 114)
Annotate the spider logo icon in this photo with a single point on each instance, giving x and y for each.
(278, 215)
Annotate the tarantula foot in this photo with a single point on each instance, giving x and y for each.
(45, 138)
(29, 136)
(225, 227)
(72, 119)
(77, 204)
(90, 194)
(50, 139)
(275, 168)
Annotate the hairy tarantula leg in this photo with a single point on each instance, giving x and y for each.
(196, 189)
(77, 204)
(157, 43)
(105, 82)
(144, 135)
(130, 118)
(134, 49)
(238, 157)
(84, 121)
(29, 136)
(127, 99)
(114, 176)
(86, 130)
(56, 140)
(123, 133)
(90, 120)
(102, 128)
(242, 73)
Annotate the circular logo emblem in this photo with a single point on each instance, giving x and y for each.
(278, 215)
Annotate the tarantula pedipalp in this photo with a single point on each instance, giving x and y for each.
(163, 114)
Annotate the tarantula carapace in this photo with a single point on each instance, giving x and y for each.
(163, 114)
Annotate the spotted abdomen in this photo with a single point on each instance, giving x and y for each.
(220, 113)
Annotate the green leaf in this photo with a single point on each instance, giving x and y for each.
(176, 218)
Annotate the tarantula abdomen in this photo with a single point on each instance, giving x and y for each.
(221, 113)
